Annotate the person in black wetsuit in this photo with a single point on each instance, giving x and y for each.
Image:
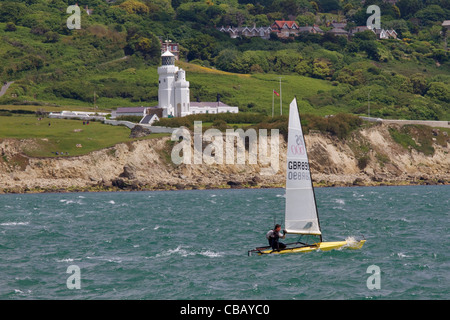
(274, 235)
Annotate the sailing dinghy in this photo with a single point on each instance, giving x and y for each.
(301, 216)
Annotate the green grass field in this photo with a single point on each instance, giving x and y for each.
(62, 135)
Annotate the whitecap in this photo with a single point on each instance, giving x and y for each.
(178, 250)
(66, 260)
(65, 201)
(112, 202)
(211, 254)
(14, 223)
(155, 228)
(401, 255)
(340, 201)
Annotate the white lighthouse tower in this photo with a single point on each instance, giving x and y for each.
(173, 92)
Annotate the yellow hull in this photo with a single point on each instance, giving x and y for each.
(322, 246)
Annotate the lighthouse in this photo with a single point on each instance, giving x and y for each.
(173, 92)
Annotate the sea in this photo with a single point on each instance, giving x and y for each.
(193, 245)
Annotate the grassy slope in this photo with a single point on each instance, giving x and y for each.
(62, 135)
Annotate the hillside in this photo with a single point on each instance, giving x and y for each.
(112, 59)
(371, 155)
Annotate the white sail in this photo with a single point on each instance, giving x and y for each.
(301, 212)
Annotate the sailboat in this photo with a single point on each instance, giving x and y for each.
(301, 215)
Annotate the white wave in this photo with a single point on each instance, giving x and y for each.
(155, 228)
(81, 197)
(109, 259)
(340, 201)
(112, 202)
(14, 223)
(182, 251)
(401, 255)
(211, 254)
(65, 201)
(213, 195)
(351, 242)
(178, 250)
(340, 208)
(281, 196)
(65, 260)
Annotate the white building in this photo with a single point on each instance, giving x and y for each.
(174, 95)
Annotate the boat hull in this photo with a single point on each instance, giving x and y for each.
(322, 246)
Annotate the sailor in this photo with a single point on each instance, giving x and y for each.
(274, 235)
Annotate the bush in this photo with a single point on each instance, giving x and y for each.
(10, 26)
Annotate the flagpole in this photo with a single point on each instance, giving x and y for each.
(281, 108)
(273, 99)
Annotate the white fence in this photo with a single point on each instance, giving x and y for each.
(431, 123)
(131, 125)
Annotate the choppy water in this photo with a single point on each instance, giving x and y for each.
(193, 245)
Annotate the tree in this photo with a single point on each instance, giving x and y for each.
(431, 14)
(134, 7)
(51, 37)
(409, 7)
(12, 11)
(439, 91)
(226, 58)
(371, 49)
(149, 48)
(329, 5)
(202, 47)
(321, 68)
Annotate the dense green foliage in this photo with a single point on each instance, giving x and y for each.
(340, 125)
(112, 60)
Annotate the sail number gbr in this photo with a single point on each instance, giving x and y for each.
(298, 170)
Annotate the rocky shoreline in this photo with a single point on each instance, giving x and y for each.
(369, 157)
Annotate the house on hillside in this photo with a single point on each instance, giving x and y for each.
(446, 25)
(338, 32)
(315, 29)
(380, 33)
(285, 28)
(339, 25)
(235, 32)
(385, 34)
(172, 47)
(357, 29)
